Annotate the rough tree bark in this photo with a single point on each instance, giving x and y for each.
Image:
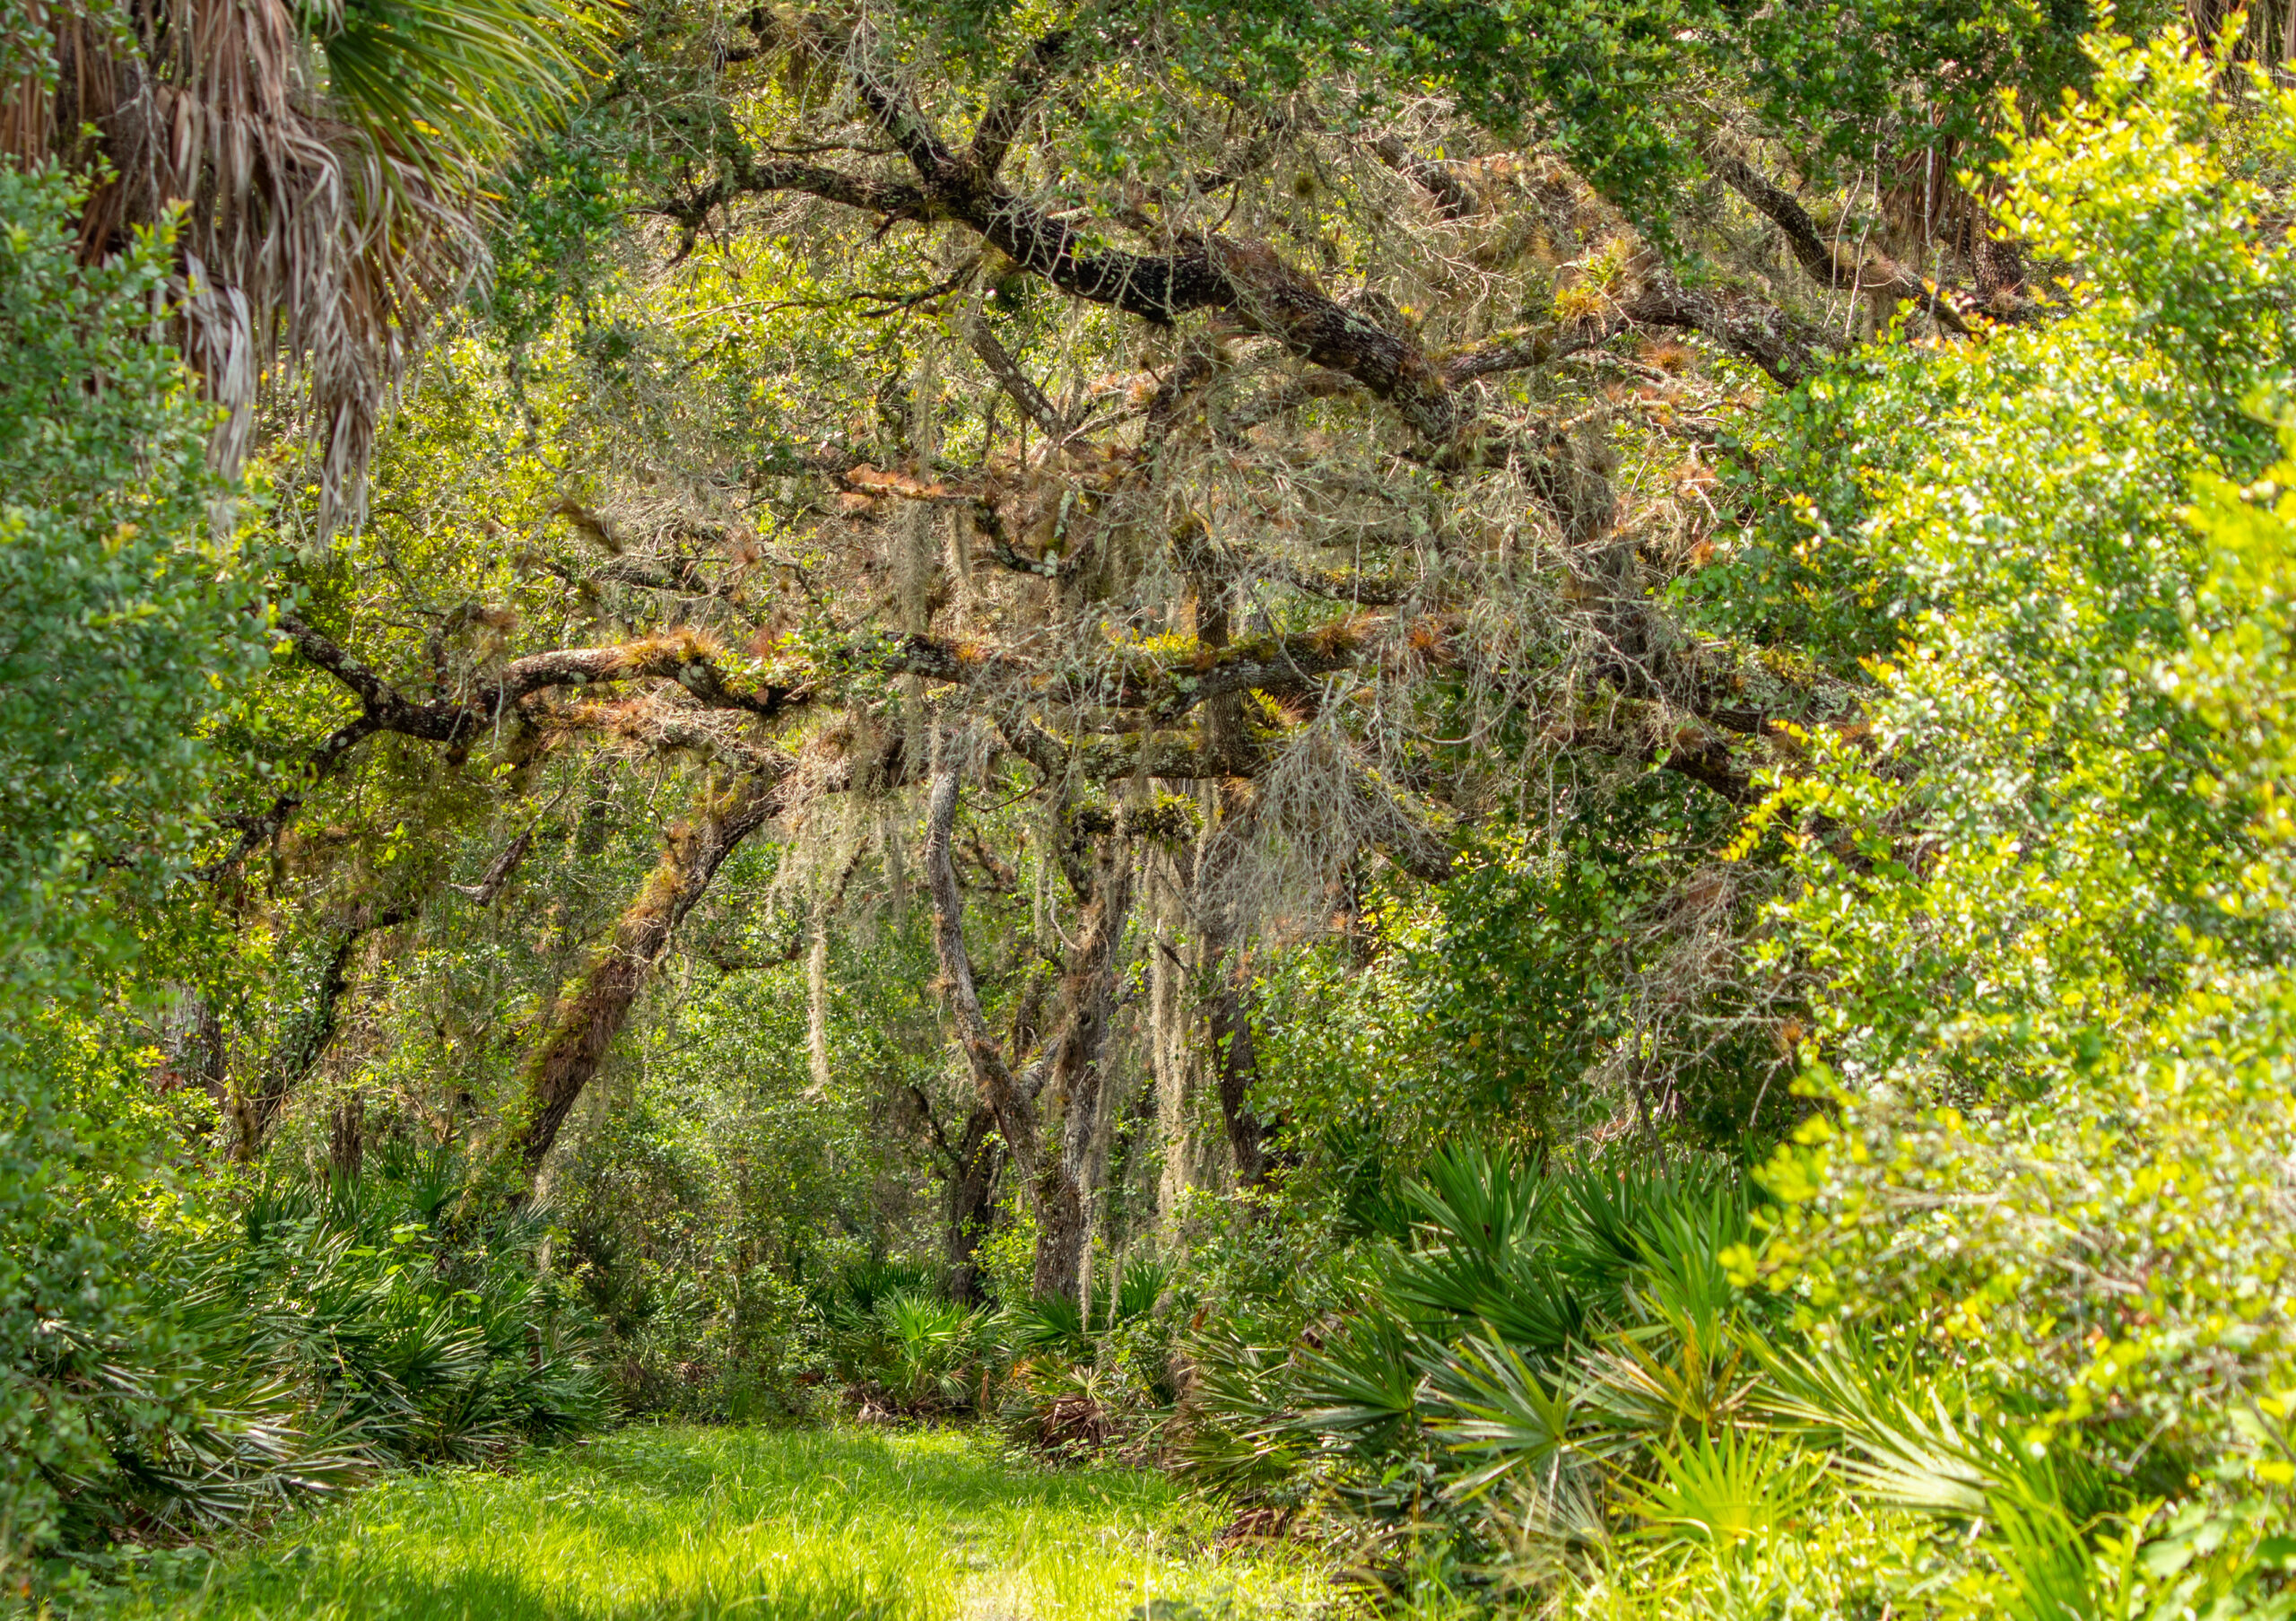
(1175, 1057)
(1237, 1063)
(1076, 1079)
(582, 1027)
(1067, 1075)
(1247, 281)
(1009, 1099)
(346, 1136)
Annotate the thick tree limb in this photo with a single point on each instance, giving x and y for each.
(1527, 347)
(590, 1013)
(260, 829)
(689, 660)
(1866, 271)
(1236, 1064)
(1746, 327)
(1066, 1080)
(683, 656)
(889, 199)
(1234, 1055)
(972, 1192)
(1248, 281)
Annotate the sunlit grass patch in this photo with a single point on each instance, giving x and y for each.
(762, 1525)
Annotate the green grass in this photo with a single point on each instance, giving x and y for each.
(756, 1524)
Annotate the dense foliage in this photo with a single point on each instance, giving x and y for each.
(126, 618)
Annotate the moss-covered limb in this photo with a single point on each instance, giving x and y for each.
(1247, 281)
(1215, 566)
(1166, 681)
(1747, 326)
(695, 661)
(1834, 264)
(1525, 348)
(1171, 756)
(647, 726)
(1170, 679)
(591, 1011)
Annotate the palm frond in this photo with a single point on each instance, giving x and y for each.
(1894, 1444)
(1666, 1380)
(1721, 1486)
(454, 82)
(1495, 1408)
(334, 220)
(1362, 1388)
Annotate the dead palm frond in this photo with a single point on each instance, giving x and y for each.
(319, 167)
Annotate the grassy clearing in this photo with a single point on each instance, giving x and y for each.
(761, 1525)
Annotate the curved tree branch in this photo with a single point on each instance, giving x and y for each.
(1001, 120)
(1865, 272)
(590, 1013)
(1014, 1107)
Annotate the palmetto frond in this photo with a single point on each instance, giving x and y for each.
(1897, 1438)
(1362, 1386)
(1502, 1413)
(1717, 1487)
(1667, 1380)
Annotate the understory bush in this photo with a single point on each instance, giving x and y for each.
(1531, 1344)
(1055, 1383)
(318, 1332)
(124, 614)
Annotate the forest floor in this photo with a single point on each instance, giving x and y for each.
(691, 1524)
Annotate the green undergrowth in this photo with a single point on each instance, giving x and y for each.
(699, 1523)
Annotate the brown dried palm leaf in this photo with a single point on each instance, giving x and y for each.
(315, 247)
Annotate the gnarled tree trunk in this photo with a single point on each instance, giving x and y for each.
(254, 1110)
(1076, 1081)
(972, 1192)
(1067, 1075)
